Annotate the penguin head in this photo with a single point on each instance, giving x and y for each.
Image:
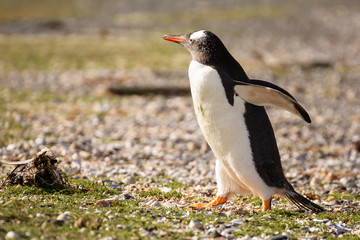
(203, 45)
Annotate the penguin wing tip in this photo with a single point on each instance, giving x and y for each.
(302, 112)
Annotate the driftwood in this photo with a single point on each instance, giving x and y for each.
(167, 91)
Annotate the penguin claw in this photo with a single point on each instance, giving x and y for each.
(201, 206)
(197, 206)
(206, 206)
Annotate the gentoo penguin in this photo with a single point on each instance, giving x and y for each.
(230, 111)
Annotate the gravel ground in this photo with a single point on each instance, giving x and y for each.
(126, 137)
(153, 135)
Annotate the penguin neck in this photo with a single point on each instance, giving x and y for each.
(223, 60)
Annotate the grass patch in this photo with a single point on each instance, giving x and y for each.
(344, 196)
(174, 186)
(15, 10)
(28, 209)
(76, 52)
(159, 194)
(202, 17)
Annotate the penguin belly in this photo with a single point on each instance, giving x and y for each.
(223, 126)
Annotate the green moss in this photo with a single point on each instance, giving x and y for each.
(177, 185)
(337, 195)
(248, 199)
(174, 184)
(158, 193)
(350, 217)
(20, 213)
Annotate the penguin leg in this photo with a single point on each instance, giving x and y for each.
(267, 204)
(223, 189)
(265, 207)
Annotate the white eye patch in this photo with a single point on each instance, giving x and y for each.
(197, 35)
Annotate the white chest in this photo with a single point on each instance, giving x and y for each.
(224, 128)
(221, 123)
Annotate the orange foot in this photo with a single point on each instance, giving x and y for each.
(266, 206)
(219, 200)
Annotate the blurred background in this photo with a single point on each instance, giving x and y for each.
(58, 60)
(88, 34)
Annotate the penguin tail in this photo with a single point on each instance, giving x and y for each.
(302, 202)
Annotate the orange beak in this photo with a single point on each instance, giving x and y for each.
(173, 38)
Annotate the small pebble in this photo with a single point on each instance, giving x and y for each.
(228, 231)
(330, 177)
(161, 220)
(64, 217)
(168, 205)
(334, 202)
(11, 147)
(230, 213)
(320, 220)
(315, 182)
(125, 197)
(81, 222)
(212, 231)
(314, 229)
(104, 203)
(235, 222)
(165, 189)
(330, 198)
(155, 204)
(12, 235)
(196, 225)
(85, 155)
(109, 213)
(129, 180)
(339, 229)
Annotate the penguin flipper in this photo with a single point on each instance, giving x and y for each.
(263, 93)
